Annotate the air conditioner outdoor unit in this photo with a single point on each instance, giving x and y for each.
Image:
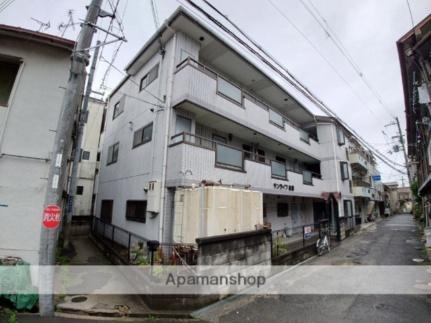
(153, 197)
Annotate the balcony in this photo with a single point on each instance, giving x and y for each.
(358, 161)
(192, 159)
(362, 191)
(202, 88)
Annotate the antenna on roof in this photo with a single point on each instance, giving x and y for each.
(42, 25)
(62, 27)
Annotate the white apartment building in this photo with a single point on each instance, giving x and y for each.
(34, 70)
(196, 108)
(368, 192)
(89, 162)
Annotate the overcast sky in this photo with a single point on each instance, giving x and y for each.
(368, 29)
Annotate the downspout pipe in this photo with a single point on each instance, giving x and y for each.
(166, 137)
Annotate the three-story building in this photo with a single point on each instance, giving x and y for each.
(196, 109)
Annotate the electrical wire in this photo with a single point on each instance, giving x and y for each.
(340, 46)
(320, 54)
(289, 77)
(411, 14)
(131, 80)
(5, 4)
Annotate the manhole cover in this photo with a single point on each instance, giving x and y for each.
(78, 299)
(418, 260)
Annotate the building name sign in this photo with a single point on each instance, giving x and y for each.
(284, 187)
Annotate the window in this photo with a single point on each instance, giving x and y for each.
(282, 210)
(118, 109)
(143, 135)
(183, 124)
(278, 169)
(229, 157)
(248, 150)
(85, 155)
(344, 170)
(113, 153)
(219, 139)
(304, 136)
(307, 177)
(348, 208)
(9, 71)
(106, 211)
(149, 77)
(79, 190)
(98, 156)
(136, 211)
(276, 118)
(229, 90)
(261, 155)
(340, 137)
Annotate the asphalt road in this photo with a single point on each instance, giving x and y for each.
(393, 241)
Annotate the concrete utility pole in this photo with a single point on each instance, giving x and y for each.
(77, 157)
(404, 151)
(63, 138)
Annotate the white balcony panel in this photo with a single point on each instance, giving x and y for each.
(361, 191)
(200, 88)
(357, 159)
(188, 164)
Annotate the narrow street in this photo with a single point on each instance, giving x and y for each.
(393, 241)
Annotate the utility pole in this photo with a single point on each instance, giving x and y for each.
(404, 151)
(63, 138)
(78, 141)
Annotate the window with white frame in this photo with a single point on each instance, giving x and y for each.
(118, 109)
(344, 167)
(348, 208)
(143, 135)
(148, 78)
(183, 124)
(113, 154)
(340, 137)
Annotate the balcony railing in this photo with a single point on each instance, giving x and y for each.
(236, 94)
(233, 158)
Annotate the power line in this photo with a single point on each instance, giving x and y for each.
(131, 80)
(411, 14)
(5, 4)
(340, 46)
(286, 75)
(320, 54)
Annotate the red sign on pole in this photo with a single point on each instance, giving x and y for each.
(51, 216)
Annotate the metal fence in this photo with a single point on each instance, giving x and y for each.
(133, 249)
(291, 239)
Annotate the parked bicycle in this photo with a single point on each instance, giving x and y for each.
(322, 243)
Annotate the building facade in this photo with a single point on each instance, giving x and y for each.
(88, 166)
(367, 188)
(34, 71)
(196, 111)
(414, 50)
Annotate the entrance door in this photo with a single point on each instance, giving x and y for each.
(319, 212)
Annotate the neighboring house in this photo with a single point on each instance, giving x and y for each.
(90, 156)
(195, 109)
(368, 193)
(392, 196)
(414, 50)
(34, 71)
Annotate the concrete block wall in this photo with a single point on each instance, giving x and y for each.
(245, 248)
